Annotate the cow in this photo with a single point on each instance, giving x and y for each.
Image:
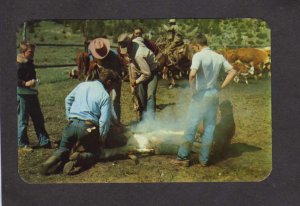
(256, 58)
(166, 142)
(243, 71)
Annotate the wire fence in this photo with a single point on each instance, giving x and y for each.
(84, 48)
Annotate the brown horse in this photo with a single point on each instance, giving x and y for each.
(179, 66)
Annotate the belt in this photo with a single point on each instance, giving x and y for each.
(86, 122)
(89, 123)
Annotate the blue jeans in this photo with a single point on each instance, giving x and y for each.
(117, 102)
(28, 105)
(147, 96)
(75, 131)
(203, 107)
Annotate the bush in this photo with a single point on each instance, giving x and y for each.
(262, 35)
(250, 35)
(251, 43)
(259, 42)
(239, 41)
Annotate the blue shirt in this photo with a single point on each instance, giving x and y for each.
(208, 65)
(90, 101)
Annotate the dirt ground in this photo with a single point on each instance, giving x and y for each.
(249, 158)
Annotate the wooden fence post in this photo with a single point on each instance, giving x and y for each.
(24, 37)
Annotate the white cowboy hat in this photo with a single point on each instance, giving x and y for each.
(99, 48)
(123, 41)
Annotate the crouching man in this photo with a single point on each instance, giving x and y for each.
(88, 111)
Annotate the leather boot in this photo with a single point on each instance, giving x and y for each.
(74, 166)
(50, 165)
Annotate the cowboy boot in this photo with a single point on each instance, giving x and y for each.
(50, 165)
(74, 166)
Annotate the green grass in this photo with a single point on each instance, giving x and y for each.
(50, 32)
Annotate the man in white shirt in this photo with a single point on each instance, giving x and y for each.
(205, 69)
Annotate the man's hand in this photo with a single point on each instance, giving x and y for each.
(30, 83)
(133, 83)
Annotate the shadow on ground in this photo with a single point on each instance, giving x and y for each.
(235, 150)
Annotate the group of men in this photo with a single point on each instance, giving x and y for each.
(91, 113)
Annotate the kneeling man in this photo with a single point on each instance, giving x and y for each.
(88, 110)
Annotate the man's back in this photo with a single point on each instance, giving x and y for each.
(140, 50)
(88, 99)
(208, 65)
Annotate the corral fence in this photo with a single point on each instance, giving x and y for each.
(84, 48)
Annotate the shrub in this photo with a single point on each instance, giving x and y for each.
(251, 43)
(259, 42)
(250, 35)
(262, 35)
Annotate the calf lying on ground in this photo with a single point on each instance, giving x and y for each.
(167, 142)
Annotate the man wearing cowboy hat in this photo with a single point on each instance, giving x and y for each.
(101, 54)
(143, 70)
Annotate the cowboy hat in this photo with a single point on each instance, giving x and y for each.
(123, 41)
(99, 48)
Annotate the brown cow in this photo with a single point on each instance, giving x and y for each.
(243, 71)
(251, 56)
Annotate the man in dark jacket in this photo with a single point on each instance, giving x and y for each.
(28, 102)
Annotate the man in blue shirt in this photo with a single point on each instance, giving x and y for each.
(88, 110)
(205, 69)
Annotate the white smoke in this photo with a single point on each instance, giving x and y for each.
(171, 118)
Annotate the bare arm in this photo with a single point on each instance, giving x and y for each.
(228, 79)
(192, 77)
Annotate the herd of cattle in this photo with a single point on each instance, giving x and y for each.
(248, 62)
